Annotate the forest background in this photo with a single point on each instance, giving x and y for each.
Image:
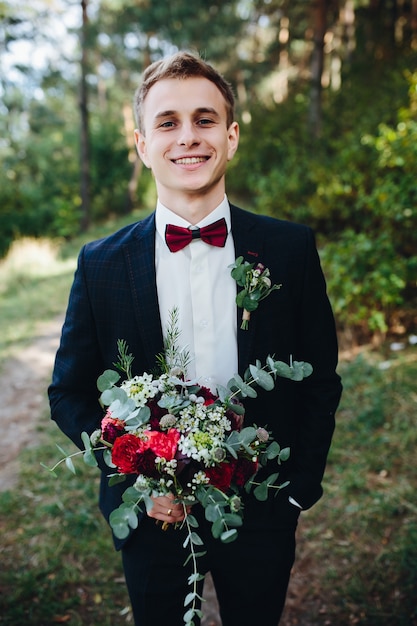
(327, 103)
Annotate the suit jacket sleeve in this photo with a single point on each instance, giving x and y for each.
(73, 392)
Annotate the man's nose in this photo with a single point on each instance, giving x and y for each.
(189, 135)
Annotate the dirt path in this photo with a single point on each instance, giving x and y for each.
(23, 386)
(23, 396)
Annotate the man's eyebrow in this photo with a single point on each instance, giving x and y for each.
(164, 114)
(207, 110)
(199, 110)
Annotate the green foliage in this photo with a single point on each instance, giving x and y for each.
(356, 189)
(371, 479)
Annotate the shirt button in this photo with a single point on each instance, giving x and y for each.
(204, 323)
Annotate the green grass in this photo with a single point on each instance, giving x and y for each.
(58, 561)
(35, 279)
(365, 532)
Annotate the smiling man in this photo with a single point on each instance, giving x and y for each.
(126, 286)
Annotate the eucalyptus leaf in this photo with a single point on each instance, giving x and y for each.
(232, 519)
(107, 380)
(191, 520)
(262, 378)
(90, 458)
(247, 435)
(62, 451)
(189, 598)
(271, 479)
(223, 393)
(139, 417)
(125, 513)
(236, 408)
(70, 465)
(211, 513)
(195, 577)
(284, 455)
(217, 528)
(130, 495)
(50, 470)
(107, 458)
(188, 617)
(244, 389)
(115, 479)
(282, 369)
(196, 539)
(300, 370)
(229, 535)
(197, 555)
(120, 529)
(85, 437)
(272, 450)
(261, 492)
(110, 395)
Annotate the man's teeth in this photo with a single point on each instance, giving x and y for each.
(190, 160)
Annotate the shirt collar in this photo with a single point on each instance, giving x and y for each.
(164, 216)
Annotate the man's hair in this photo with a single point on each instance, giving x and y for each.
(181, 65)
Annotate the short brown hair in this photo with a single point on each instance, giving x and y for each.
(182, 65)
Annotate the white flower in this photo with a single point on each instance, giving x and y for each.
(140, 389)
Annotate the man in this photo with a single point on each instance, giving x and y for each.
(125, 287)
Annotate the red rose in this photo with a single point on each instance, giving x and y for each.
(126, 453)
(111, 428)
(163, 444)
(220, 476)
(244, 469)
(146, 464)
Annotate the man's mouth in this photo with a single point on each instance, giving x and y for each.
(190, 160)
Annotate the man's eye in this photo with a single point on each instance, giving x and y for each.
(166, 124)
(204, 121)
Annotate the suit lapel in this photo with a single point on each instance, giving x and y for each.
(140, 260)
(248, 244)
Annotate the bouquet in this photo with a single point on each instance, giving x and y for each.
(177, 437)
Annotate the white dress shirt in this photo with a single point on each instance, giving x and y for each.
(196, 280)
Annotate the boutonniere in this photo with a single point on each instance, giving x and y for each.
(256, 285)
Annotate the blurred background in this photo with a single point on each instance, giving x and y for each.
(327, 105)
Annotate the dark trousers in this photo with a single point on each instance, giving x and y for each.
(250, 574)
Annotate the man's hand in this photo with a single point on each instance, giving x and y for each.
(166, 510)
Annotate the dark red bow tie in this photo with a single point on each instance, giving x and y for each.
(177, 237)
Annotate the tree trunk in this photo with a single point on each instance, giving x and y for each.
(317, 62)
(84, 135)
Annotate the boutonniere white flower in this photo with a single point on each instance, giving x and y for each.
(256, 283)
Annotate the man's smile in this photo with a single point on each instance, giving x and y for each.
(189, 160)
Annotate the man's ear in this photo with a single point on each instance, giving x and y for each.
(233, 140)
(140, 142)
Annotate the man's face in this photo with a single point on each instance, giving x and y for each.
(186, 141)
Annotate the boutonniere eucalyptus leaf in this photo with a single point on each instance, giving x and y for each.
(256, 283)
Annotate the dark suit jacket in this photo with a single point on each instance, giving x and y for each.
(114, 296)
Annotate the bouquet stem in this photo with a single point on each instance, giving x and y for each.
(245, 320)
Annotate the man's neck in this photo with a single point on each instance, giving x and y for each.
(191, 208)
